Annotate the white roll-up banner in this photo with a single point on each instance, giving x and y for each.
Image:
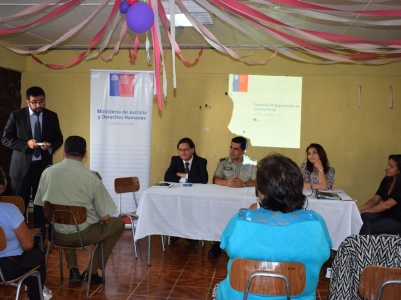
(120, 129)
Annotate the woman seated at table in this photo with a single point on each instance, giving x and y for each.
(317, 169)
(279, 231)
(382, 213)
(19, 257)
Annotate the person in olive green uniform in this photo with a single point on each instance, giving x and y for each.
(70, 183)
(237, 171)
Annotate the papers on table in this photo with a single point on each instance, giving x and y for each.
(327, 195)
(163, 184)
(334, 194)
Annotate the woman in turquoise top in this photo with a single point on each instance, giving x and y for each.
(280, 230)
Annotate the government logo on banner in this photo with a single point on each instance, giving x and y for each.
(121, 85)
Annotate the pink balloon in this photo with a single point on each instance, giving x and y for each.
(124, 7)
(140, 17)
(131, 2)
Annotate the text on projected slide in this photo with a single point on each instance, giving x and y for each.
(267, 109)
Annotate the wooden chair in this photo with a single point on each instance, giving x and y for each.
(124, 185)
(17, 282)
(270, 278)
(70, 215)
(19, 202)
(380, 283)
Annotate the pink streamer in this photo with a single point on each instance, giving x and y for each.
(29, 10)
(133, 55)
(157, 62)
(117, 45)
(249, 13)
(162, 14)
(353, 49)
(94, 41)
(302, 4)
(49, 16)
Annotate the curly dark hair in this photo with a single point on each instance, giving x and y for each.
(322, 156)
(280, 181)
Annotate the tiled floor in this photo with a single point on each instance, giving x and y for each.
(182, 272)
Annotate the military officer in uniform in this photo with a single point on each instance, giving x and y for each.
(237, 171)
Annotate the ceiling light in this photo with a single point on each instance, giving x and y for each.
(196, 11)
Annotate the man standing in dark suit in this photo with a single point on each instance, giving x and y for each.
(34, 134)
(187, 166)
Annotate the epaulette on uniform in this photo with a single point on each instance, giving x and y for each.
(97, 174)
(224, 158)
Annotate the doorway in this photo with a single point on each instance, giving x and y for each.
(10, 100)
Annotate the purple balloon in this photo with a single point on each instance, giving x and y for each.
(124, 7)
(140, 17)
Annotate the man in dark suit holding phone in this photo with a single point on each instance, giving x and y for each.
(34, 134)
(186, 167)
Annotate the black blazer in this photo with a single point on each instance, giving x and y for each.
(197, 174)
(18, 132)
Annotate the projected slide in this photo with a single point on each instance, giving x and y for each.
(267, 109)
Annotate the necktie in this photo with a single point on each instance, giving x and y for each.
(186, 167)
(37, 136)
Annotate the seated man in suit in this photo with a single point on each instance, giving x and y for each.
(187, 166)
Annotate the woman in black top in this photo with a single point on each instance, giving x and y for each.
(382, 213)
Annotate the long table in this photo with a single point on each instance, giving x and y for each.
(202, 211)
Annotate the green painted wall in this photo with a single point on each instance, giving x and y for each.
(357, 140)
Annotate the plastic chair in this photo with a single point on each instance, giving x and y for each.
(269, 278)
(129, 185)
(19, 202)
(70, 215)
(380, 283)
(17, 282)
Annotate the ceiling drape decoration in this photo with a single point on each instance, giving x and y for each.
(274, 25)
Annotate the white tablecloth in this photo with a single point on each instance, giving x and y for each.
(342, 218)
(199, 212)
(202, 211)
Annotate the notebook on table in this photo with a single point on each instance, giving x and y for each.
(163, 184)
(323, 195)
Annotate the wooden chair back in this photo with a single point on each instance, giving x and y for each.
(64, 214)
(16, 200)
(70, 215)
(3, 239)
(126, 185)
(242, 269)
(373, 278)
